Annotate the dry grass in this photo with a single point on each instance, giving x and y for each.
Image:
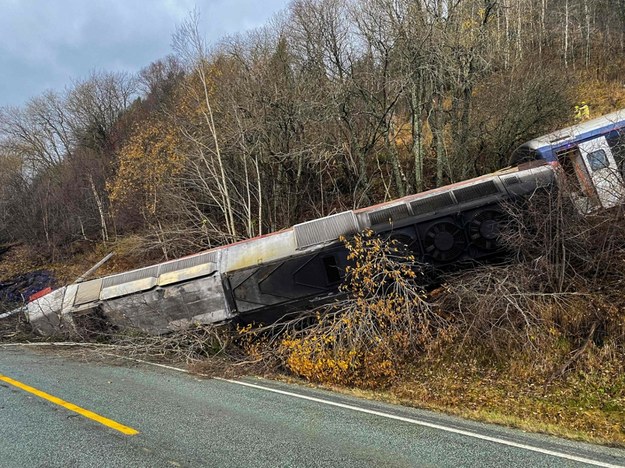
(587, 405)
(129, 254)
(17, 260)
(15, 329)
(583, 406)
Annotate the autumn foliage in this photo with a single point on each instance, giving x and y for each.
(384, 322)
(147, 163)
(336, 105)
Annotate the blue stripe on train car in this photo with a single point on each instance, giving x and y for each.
(548, 151)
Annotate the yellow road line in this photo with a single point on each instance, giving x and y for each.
(72, 407)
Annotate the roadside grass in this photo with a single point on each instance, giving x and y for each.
(588, 407)
(584, 405)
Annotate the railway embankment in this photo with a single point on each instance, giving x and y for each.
(536, 341)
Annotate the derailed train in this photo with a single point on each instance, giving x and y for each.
(271, 275)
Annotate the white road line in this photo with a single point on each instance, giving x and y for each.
(164, 366)
(427, 424)
(392, 416)
(91, 346)
(70, 344)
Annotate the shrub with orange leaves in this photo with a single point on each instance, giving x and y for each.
(147, 162)
(385, 320)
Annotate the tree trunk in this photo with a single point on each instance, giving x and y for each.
(98, 201)
(438, 135)
(463, 134)
(396, 165)
(416, 105)
(566, 33)
(587, 25)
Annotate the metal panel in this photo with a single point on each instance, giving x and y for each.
(543, 176)
(128, 287)
(512, 180)
(389, 215)
(149, 272)
(477, 191)
(325, 229)
(69, 297)
(88, 291)
(160, 311)
(432, 204)
(185, 274)
(44, 314)
(530, 180)
(258, 251)
(189, 262)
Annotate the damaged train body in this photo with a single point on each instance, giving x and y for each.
(263, 278)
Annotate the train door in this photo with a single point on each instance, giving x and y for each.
(603, 172)
(576, 180)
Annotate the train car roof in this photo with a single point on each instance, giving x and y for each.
(582, 130)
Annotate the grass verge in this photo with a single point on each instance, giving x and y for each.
(581, 406)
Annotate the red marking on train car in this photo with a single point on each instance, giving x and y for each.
(39, 294)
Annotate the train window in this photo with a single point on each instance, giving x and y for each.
(332, 269)
(598, 160)
(616, 141)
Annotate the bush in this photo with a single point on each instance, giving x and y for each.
(558, 300)
(367, 338)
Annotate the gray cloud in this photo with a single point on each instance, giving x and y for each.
(46, 44)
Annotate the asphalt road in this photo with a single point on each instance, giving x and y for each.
(183, 420)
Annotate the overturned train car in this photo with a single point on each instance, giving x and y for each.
(266, 277)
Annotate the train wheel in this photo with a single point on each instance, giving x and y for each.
(483, 229)
(444, 241)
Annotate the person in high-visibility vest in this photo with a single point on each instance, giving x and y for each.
(582, 112)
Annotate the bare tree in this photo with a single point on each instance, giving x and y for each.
(191, 47)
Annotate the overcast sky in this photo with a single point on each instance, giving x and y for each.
(45, 44)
